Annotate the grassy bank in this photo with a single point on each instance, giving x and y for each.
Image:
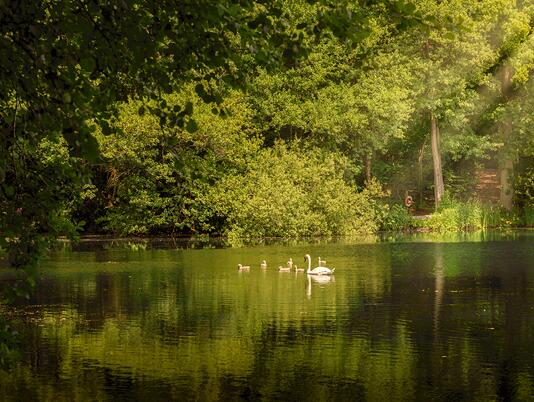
(457, 216)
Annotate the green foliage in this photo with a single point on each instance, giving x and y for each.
(292, 192)
(218, 180)
(464, 217)
(524, 195)
(461, 185)
(326, 101)
(524, 188)
(154, 176)
(38, 193)
(395, 217)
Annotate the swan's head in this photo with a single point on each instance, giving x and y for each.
(307, 257)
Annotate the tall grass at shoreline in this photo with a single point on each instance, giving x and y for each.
(528, 216)
(460, 216)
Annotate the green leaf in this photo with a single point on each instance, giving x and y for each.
(191, 126)
(8, 190)
(172, 141)
(199, 89)
(167, 89)
(88, 64)
(189, 108)
(89, 148)
(178, 163)
(106, 128)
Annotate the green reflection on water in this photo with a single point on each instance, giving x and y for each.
(399, 321)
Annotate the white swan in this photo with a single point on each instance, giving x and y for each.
(317, 270)
(243, 267)
(263, 264)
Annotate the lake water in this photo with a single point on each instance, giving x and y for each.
(412, 318)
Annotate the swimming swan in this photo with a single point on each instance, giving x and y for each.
(317, 270)
(243, 267)
(288, 268)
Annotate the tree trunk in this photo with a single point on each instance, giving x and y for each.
(439, 187)
(506, 168)
(506, 161)
(420, 172)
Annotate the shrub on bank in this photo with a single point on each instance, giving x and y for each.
(524, 196)
(292, 192)
(395, 217)
(219, 180)
(154, 176)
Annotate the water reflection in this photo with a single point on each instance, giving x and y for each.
(398, 321)
(321, 280)
(439, 284)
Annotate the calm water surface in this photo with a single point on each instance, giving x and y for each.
(400, 320)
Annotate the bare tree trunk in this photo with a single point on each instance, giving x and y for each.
(420, 172)
(439, 187)
(506, 168)
(506, 161)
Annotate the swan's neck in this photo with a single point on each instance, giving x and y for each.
(309, 263)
